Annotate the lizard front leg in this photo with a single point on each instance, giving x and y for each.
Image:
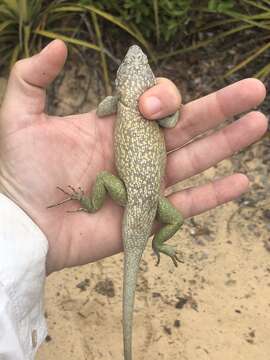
(108, 106)
(172, 218)
(170, 121)
(105, 183)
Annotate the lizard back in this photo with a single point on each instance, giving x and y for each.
(139, 143)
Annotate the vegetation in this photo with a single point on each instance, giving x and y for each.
(24, 24)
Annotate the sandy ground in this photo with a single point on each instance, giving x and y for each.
(214, 306)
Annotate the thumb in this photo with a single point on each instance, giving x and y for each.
(25, 94)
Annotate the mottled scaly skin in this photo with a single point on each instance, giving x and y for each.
(140, 160)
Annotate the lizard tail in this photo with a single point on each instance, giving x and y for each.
(131, 267)
(136, 230)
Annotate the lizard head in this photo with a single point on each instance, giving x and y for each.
(134, 75)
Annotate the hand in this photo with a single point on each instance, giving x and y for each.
(39, 152)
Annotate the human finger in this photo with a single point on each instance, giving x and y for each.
(208, 151)
(28, 79)
(208, 112)
(196, 200)
(161, 100)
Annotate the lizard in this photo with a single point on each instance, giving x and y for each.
(140, 157)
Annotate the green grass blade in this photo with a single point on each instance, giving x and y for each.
(247, 19)
(65, 9)
(55, 18)
(256, 4)
(66, 30)
(212, 24)
(156, 13)
(70, 40)
(12, 5)
(26, 38)
(35, 8)
(111, 18)
(205, 42)
(114, 20)
(14, 56)
(102, 54)
(23, 10)
(263, 73)
(8, 14)
(263, 15)
(5, 24)
(248, 59)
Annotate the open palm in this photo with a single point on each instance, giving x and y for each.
(39, 152)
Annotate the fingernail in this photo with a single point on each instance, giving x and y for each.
(152, 105)
(47, 47)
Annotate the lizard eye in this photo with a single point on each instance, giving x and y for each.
(128, 61)
(139, 57)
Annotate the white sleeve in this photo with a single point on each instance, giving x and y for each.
(23, 249)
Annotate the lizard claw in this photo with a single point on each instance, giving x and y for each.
(169, 251)
(158, 258)
(76, 194)
(176, 259)
(63, 191)
(72, 195)
(72, 188)
(77, 210)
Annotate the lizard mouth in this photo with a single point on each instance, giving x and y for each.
(135, 61)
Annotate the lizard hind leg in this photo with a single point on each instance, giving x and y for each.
(105, 183)
(172, 220)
